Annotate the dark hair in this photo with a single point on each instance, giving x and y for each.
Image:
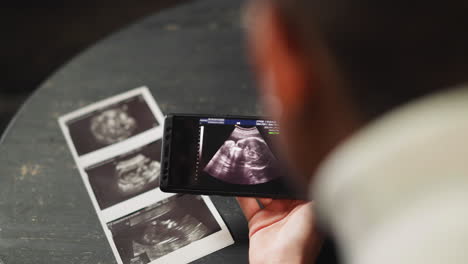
(389, 52)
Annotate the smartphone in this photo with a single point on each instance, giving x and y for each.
(223, 155)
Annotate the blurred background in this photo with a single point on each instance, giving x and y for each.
(38, 40)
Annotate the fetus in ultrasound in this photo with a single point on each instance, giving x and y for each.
(244, 158)
(162, 232)
(136, 173)
(113, 125)
(161, 237)
(162, 228)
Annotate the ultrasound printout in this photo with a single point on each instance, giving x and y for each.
(165, 227)
(111, 124)
(127, 175)
(116, 145)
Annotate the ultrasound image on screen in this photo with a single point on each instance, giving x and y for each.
(162, 228)
(244, 156)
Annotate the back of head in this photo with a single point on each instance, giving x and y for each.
(388, 52)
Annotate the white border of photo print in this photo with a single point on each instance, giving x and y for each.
(138, 105)
(146, 130)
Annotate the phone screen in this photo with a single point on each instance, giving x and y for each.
(230, 156)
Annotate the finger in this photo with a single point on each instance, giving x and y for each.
(265, 201)
(249, 206)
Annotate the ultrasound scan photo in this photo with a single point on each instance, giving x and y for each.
(111, 124)
(244, 158)
(116, 144)
(126, 176)
(163, 228)
(133, 174)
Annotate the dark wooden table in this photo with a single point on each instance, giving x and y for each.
(193, 60)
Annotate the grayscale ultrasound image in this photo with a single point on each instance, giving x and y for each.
(126, 176)
(133, 174)
(111, 124)
(244, 158)
(163, 228)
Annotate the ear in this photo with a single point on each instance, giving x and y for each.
(279, 63)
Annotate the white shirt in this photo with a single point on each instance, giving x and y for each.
(397, 191)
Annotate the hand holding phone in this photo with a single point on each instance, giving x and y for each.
(281, 231)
